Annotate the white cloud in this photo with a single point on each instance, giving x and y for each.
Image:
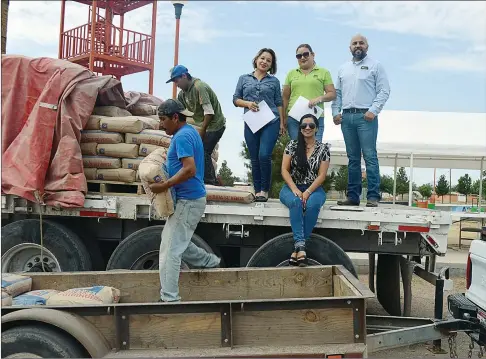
(461, 21)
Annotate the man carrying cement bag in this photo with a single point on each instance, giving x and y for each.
(185, 167)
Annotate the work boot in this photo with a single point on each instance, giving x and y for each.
(372, 203)
(347, 202)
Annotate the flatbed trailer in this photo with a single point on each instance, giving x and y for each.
(318, 311)
(121, 231)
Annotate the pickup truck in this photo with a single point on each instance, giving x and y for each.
(471, 305)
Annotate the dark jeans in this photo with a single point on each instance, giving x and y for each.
(360, 137)
(210, 141)
(260, 145)
(302, 222)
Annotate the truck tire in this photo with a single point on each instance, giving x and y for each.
(21, 242)
(40, 340)
(388, 283)
(140, 250)
(320, 250)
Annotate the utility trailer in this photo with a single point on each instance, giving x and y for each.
(121, 231)
(318, 311)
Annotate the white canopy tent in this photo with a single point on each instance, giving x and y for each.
(418, 139)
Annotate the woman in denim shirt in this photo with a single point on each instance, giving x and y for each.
(251, 89)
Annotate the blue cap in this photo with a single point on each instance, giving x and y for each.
(176, 72)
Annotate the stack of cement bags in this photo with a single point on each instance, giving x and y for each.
(114, 142)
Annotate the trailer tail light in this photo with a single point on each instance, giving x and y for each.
(432, 241)
(419, 229)
(97, 214)
(468, 271)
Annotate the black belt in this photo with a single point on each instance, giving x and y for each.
(355, 110)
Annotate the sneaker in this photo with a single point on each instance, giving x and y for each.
(372, 203)
(347, 202)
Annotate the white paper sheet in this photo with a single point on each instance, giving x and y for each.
(301, 108)
(256, 120)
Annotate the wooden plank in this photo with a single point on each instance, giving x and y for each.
(362, 289)
(106, 325)
(114, 187)
(343, 288)
(197, 285)
(175, 331)
(293, 327)
(303, 351)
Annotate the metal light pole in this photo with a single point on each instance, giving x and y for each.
(178, 12)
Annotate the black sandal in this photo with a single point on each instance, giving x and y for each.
(302, 259)
(293, 259)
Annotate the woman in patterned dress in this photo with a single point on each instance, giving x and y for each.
(304, 169)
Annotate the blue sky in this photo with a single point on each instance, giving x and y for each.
(434, 52)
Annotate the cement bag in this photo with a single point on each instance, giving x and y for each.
(131, 163)
(6, 299)
(151, 137)
(35, 297)
(90, 173)
(14, 284)
(101, 162)
(93, 122)
(101, 137)
(110, 111)
(118, 175)
(150, 123)
(90, 295)
(143, 109)
(128, 124)
(151, 170)
(89, 148)
(146, 149)
(119, 150)
(228, 194)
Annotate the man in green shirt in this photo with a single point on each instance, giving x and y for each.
(309, 81)
(200, 99)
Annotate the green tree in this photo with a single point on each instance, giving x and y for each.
(341, 179)
(464, 185)
(442, 187)
(402, 182)
(425, 190)
(226, 175)
(386, 184)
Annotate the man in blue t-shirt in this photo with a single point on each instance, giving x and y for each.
(185, 167)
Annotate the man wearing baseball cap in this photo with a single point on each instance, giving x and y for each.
(185, 169)
(200, 99)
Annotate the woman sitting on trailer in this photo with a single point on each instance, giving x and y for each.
(304, 169)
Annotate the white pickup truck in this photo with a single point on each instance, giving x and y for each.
(471, 305)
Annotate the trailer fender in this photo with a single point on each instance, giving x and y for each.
(79, 328)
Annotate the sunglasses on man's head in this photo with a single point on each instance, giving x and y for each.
(305, 54)
(310, 125)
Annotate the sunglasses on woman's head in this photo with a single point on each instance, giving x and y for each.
(310, 125)
(305, 54)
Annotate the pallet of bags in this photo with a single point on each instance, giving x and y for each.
(228, 194)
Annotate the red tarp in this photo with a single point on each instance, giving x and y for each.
(45, 104)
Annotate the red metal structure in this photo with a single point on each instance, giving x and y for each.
(107, 49)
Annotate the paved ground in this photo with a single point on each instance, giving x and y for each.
(422, 306)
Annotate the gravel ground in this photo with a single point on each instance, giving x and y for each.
(423, 306)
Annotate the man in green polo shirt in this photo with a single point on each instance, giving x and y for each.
(311, 82)
(200, 99)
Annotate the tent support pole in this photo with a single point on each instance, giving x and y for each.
(395, 179)
(481, 185)
(410, 192)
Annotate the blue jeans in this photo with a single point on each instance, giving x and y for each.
(176, 246)
(293, 128)
(260, 145)
(360, 137)
(302, 220)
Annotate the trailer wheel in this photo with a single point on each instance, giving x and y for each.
(140, 250)
(63, 249)
(320, 251)
(388, 283)
(40, 341)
